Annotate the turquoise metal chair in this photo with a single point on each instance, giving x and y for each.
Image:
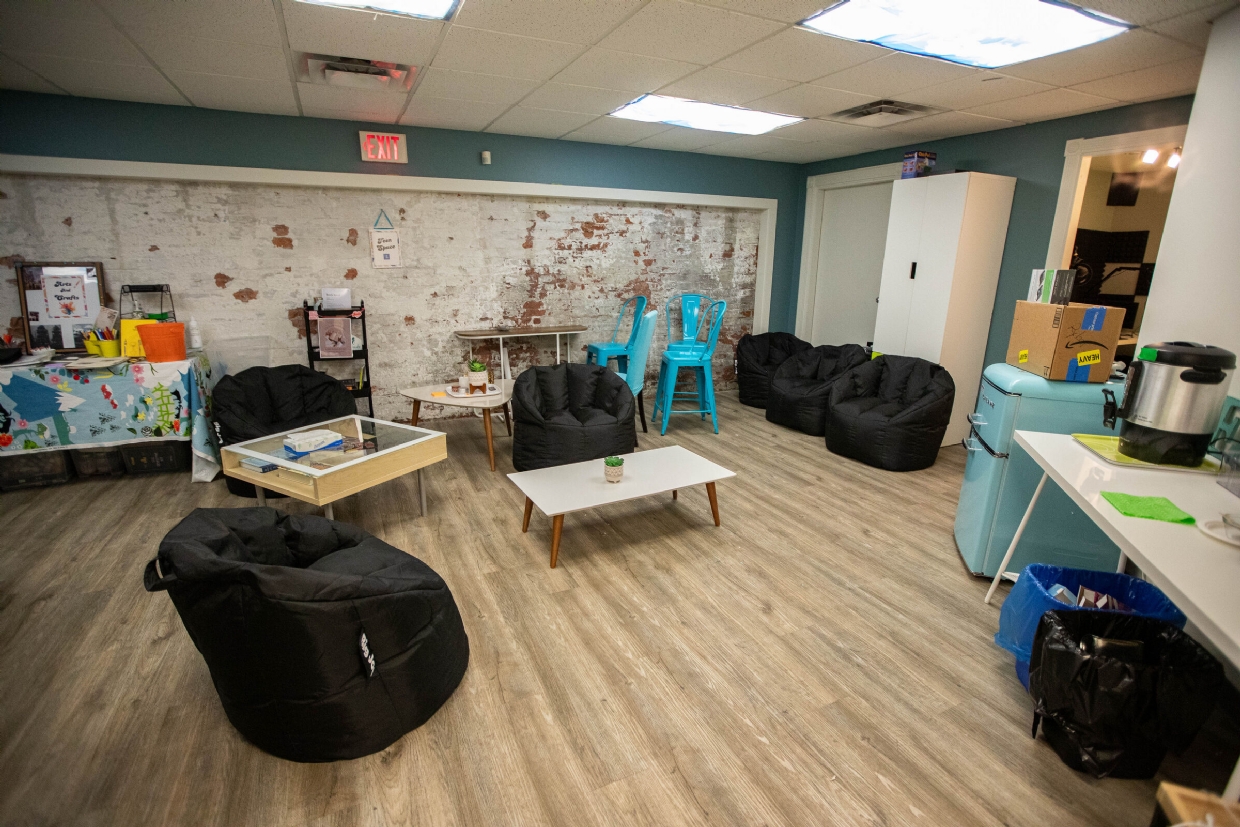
(599, 353)
(696, 356)
(692, 308)
(639, 353)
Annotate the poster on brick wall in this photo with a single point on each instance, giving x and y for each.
(384, 249)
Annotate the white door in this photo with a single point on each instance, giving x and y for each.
(908, 204)
(936, 265)
(850, 264)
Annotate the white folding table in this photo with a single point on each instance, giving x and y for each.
(565, 330)
(1199, 573)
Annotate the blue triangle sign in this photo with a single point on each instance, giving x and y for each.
(383, 222)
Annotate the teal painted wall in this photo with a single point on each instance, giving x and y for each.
(51, 125)
(1034, 156)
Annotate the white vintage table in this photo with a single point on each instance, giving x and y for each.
(1199, 573)
(565, 330)
(486, 404)
(566, 488)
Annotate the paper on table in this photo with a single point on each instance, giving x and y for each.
(1148, 508)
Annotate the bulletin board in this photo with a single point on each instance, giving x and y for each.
(60, 301)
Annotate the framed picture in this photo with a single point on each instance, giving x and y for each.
(60, 301)
(335, 337)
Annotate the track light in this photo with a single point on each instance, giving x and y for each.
(1150, 156)
(1174, 160)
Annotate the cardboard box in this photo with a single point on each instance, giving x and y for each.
(1051, 286)
(1074, 342)
(918, 163)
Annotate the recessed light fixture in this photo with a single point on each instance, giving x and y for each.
(1150, 156)
(700, 115)
(1174, 160)
(985, 33)
(428, 9)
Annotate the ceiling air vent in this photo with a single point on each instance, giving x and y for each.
(356, 73)
(883, 113)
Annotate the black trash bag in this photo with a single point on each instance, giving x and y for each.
(260, 401)
(570, 412)
(323, 642)
(1114, 692)
(891, 413)
(757, 358)
(800, 386)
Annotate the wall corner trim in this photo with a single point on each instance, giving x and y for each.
(95, 168)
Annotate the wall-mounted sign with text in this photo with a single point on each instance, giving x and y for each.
(384, 249)
(383, 147)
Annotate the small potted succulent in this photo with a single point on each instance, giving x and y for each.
(613, 468)
(477, 374)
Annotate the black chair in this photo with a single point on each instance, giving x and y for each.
(799, 388)
(570, 413)
(260, 401)
(757, 358)
(323, 642)
(891, 412)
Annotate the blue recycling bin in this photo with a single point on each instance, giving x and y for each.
(1030, 598)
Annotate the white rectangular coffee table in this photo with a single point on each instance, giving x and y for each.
(566, 488)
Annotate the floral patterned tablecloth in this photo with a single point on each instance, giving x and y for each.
(53, 407)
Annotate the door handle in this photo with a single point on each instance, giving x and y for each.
(975, 419)
(912, 271)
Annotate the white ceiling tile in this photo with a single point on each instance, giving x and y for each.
(350, 33)
(785, 11)
(493, 53)
(443, 113)
(1056, 103)
(539, 123)
(975, 90)
(375, 105)
(119, 81)
(946, 125)
(802, 153)
(15, 76)
(360, 114)
(894, 74)
(1123, 53)
(236, 94)
(809, 101)
(216, 57)
(237, 21)
(84, 35)
(1179, 78)
(609, 69)
(1143, 12)
(801, 55)
(472, 86)
(573, 21)
(678, 30)
(816, 131)
(721, 86)
(571, 98)
(616, 131)
(679, 138)
(1193, 28)
(749, 146)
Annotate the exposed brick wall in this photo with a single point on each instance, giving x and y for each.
(241, 257)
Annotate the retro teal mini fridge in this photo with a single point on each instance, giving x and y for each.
(999, 477)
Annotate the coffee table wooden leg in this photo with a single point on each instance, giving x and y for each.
(486, 423)
(529, 509)
(329, 512)
(507, 419)
(673, 493)
(557, 526)
(417, 408)
(714, 501)
(261, 495)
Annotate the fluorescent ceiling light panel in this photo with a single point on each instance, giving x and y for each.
(699, 115)
(429, 9)
(985, 33)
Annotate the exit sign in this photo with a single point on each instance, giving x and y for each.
(383, 147)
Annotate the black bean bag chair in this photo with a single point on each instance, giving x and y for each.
(799, 388)
(757, 357)
(323, 642)
(891, 412)
(260, 401)
(568, 413)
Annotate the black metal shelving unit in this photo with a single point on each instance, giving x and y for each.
(360, 390)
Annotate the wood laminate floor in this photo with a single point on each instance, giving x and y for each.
(821, 659)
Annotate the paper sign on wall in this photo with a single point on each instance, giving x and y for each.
(384, 249)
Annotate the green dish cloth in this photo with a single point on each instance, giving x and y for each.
(1149, 508)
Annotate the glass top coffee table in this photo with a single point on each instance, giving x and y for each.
(375, 451)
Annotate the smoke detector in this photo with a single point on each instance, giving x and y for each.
(883, 113)
(356, 73)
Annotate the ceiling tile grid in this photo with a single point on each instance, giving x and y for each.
(555, 68)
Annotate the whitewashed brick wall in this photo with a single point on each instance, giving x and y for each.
(241, 258)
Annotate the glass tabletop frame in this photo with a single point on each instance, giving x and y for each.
(346, 426)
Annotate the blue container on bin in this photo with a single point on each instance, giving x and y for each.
(1030, 598)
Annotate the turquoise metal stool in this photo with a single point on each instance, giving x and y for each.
(696, 356)
(599, 353)
(639, 352)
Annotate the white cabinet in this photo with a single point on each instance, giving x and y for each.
(945, 240)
